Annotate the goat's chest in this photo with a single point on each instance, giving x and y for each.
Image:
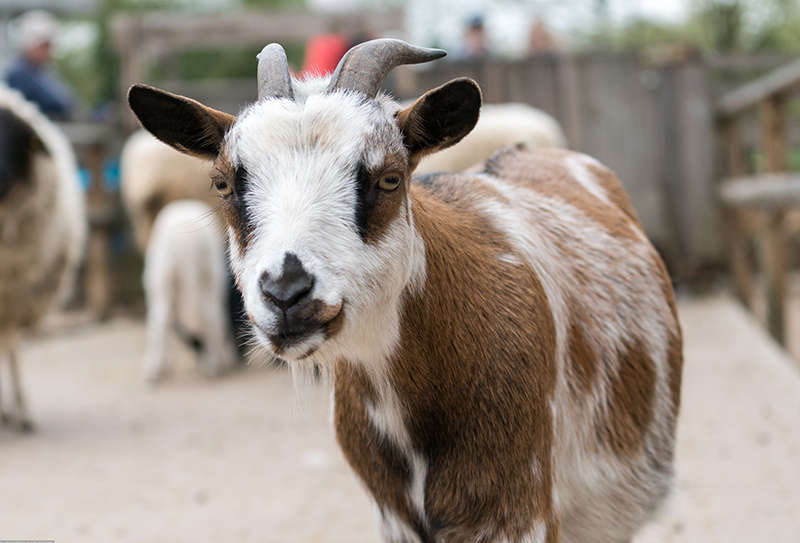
(429, 477)
(374, 439)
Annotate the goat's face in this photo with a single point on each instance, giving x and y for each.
(315, 195)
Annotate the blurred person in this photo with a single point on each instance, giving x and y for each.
(323, 54)
(29, 73)
(475, 40)
(540, 39)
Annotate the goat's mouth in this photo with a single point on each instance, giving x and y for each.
(297, 338)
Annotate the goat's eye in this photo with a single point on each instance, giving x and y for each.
(389, 182)
(223, 187)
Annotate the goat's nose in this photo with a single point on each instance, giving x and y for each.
(294, 284)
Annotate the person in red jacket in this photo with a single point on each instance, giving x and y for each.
(323, 53)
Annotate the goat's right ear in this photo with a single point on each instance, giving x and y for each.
(440, 117)
(183, 123)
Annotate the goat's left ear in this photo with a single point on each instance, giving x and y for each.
(440, 117)
(185, 124)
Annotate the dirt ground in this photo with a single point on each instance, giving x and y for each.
(248, 459)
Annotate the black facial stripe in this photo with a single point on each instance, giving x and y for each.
(238, 216)
(240, 179)
(365, 199)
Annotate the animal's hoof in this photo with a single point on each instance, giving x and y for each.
(155, 375)
(25, 426)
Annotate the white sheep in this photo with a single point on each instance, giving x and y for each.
(186, 288)
(504, 344)
(42, 228)
(499, 125)
(154, 174)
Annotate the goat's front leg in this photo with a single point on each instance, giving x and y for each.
(219, 355)
(158, 317)
(19, 418)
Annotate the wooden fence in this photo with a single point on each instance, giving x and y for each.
(652, 122)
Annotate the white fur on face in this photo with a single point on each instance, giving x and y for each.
(300, 161)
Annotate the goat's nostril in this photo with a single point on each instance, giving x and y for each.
(294, 284)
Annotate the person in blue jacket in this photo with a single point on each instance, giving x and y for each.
(29, 73)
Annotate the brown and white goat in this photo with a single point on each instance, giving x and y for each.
(504, 345)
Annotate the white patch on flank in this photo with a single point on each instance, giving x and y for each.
(578, 167)
(509, 258)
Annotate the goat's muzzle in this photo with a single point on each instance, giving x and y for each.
(298, 315)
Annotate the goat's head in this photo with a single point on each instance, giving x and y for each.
(314, 185)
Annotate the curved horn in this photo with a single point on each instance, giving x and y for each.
(274, 80)
(365, 66)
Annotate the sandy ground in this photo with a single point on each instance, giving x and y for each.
(243, 459)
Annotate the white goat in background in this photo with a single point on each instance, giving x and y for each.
(42, 229)
(153, 175)
(500, 125)
(186, 289)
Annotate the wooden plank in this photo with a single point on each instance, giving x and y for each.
(773, 256)
(779, 81)
(141, 37)
(180, 30)
(98, 288)
(736, 237)
(767, 191)
(738, 257)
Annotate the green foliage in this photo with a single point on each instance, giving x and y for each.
(230, 63)
(719, 25)
(271, 4)
(636, 35)
(93, 73)
(713, 25)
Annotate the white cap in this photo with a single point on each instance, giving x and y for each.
(35, 27)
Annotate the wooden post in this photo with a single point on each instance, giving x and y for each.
(734, 160)
(97, 262)
(773, 133)
(773, 248)
(773, 244)
(735, 235)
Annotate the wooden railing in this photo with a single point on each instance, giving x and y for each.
(755, 206)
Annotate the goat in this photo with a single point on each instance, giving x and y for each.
(499, 125)
(504, 346)
(186, 288)
(153, 175)
(42, 229)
